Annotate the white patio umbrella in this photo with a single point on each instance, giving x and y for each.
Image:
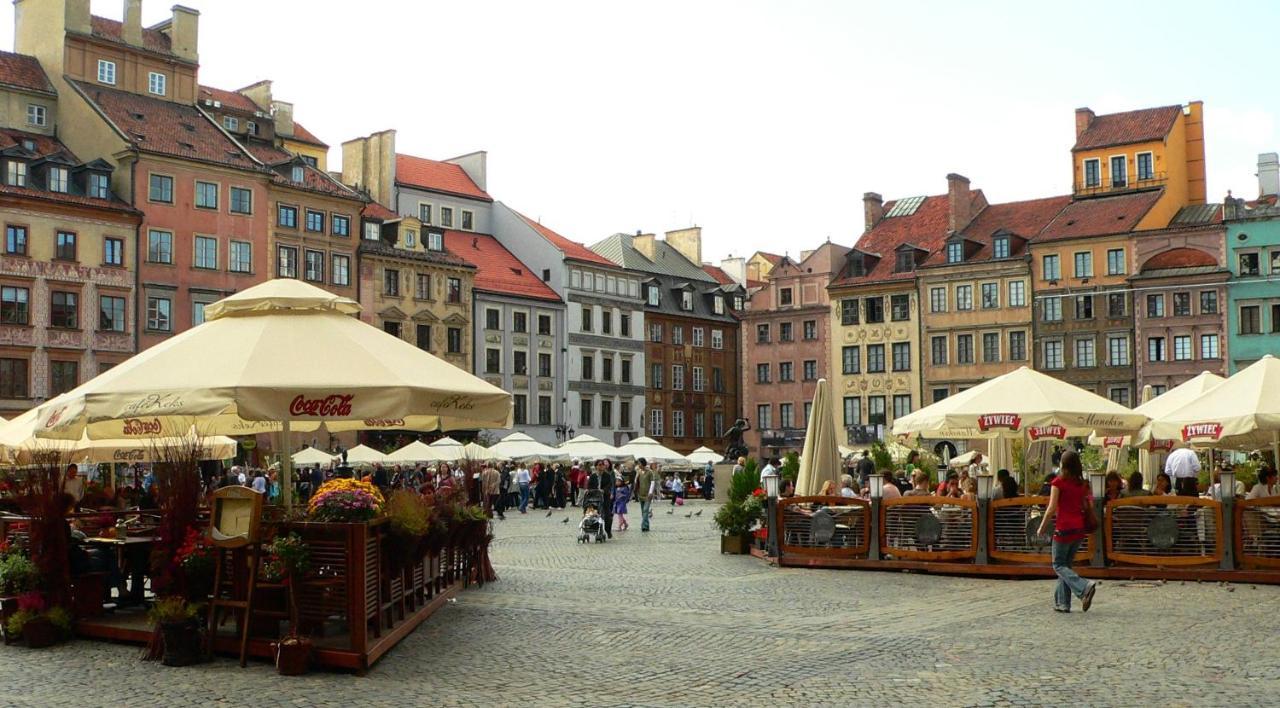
(480, 453)
(311, 456)
(653, 451)
(522, 448)
(820, 460)
(449, 450)
(364, 455)
(414, 452)
(586, 447)
(246, 368)
(1241, 413)
(703, 455)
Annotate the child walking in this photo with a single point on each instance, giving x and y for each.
(621, 495)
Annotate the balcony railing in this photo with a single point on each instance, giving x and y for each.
(1106, 186)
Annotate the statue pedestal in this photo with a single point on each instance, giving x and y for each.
(723, 476)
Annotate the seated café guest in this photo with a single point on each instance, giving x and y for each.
(970, 487)
(1115, 486)
(828, 489)
(1163, 486)
(1048, 483)
(83, 559)
(1215, 491)
(1266, 486)
(919, 484)
(846, 486)
(1008, 487)
(945, 486)
(1134, 487)
(1001, 475)
(788, 489)
(891, 490)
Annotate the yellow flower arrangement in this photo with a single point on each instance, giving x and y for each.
(345, 492)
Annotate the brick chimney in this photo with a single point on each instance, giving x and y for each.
(1084, 119)
(131, 30)
(960, 209)
(282, 117)
(646, 244)
(77, 16)
(184, 33)
(872, 209)
(1268, 174)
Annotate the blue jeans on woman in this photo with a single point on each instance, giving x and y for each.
(1069, 583)
(524, 496)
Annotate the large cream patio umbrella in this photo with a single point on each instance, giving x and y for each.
(653, 451)
(475, 452)
(586, 447)
(703, 455)
(414, 452)
(311, 456)
(286, 354)
(364, 455)
(519, 447)
(820, 460)
(449, 450)
(1241, 413)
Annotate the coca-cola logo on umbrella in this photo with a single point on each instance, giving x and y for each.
(1012, 421)
(336, 405)
(1047, 431)
(128, 455)
(1209, 431)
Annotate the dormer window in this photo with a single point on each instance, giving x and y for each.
(1000, 247)
(737, 302)
(717, 305)
(17, 173)
(252, 128)
(28, 144)
(231, 123)
(686, 300)
(297, 173)
(435, 241)
(98, 186)
(651, 294)
(857, 265)
(906, 262)
(372, 231)
(955, 252)
(58, 178)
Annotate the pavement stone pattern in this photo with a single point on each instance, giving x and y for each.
(662, 619)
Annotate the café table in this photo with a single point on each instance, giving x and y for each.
(133, 553)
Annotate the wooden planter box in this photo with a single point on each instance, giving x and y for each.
(737, 544)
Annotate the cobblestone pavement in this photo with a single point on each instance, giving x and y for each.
(663, 619)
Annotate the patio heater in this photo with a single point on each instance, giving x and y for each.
(985, 484)
(770, 479)
(1227, 495)
(1098, 486)
(876, 482)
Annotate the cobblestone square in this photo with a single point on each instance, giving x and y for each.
(663, 619)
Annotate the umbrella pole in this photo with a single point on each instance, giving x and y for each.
(286, 467)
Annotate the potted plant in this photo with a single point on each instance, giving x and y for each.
(289, 559)
(409, 518)
(18, 574)
(741, 513)
(177, 623)
(197, 558)
(345, 501)
(37, 623)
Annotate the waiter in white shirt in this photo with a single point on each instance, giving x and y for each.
(1183, 467)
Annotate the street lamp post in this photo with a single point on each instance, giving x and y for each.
(770, 481)
(1227, 495)
(1098, 486)
(876, 482)
(985, 483)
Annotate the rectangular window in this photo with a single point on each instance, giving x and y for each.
(964, 348)
(159, 247)
(786, 415)
(1092, 172)
(587, 311)
(1017, 346)
(677, 334)
(17, 173)
(493, 361)
(606, 367)
(655, 331)
(1050, 267)
(197, 313)
(1017, 293)
(492, 319)
(990, 296)
(875, 358)
(717, 339)
(287, 262)
(1208, 302)
(314, 266)
(63, 376)
(544, 410)
(206, 195)
(1116, 305)
(677, 377)
(15, 305)
(286, 216)
(1085, 354)
(519, 409)
(391, 327)
(762, 373)
(764, 416)
(468, 220)
(372, 231)
(901, 405)
(900, 307)
(784, 296)
(810, 330)
(585, 404)
(112, 251)
(1181, 304)
(58, 179)
(446, 217)
(938, 351)
(1000, 247)
(588, 366)
(1119, 394)
(1209, 346)
(161, 189)
(902, 356)
(14, 379)
(315, 221)
(849, 311)
(544, 364)
(1249, 264)
(341, 269)
(1084, 264)
(65, 248)
(1053, 309)
(655, 422)
(851, 360)
(1275, 318)
(36, 115)
(1118, 350)
(762, 334)
(964, 297)
(1053, 355)
(874, 309)
(1145, 169)
(1084, 307)
(98, 186)
(455, 290)
(875, 410)
(240, 257)
(241, 200)
(1182, 348)
(158, 314)
(422, 336)
(1250, 319)
(1115, 261)
(206, 252)
(231, 123)
(341, 225)
(852, 411)
(655, 376)
(15, 240)
(157, 83)
(606, 405)
(1119, 168)
(699, 425)
(1155, 306)
(1155, 349)
(955, 252)
(454, 340)
(424, 213)
(625, 376)
(990, 347)
(520, 322)
(937, 299)
(699, 337)
(422, 286)
(106, 72)
(786, 372)
(810, 367)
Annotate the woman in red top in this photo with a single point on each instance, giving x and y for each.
(1067, 497)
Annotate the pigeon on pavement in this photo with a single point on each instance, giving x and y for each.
(548, 514)
(699, 513)
(566, 520)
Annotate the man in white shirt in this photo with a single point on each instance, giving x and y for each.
(240, 478)
(1266, 486)
(1183, 467)
(522, 481)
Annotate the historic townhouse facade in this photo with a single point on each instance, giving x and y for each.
(519, 333)
(1179, 285)
(786, 347)
(875, 317)
(692, 338)
(975, 295)
(1253, 256)
(603, 355)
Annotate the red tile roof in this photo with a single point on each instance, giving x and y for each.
(312, 178)
(718, 273)
(1129, 127)
(166, 128)
(437, 176)
(571, 249)
(113, 31)
(374, 210)
(497, 269)
(773, 258)
(1178, 258)
(24, 72)
(924, 228)
(45, 145)
(1100, 216)
(230, 99)
(1024, 219)
(303, 135)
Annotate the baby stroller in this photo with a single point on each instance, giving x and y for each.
(591, 527)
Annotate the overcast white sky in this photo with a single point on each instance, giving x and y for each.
(762, 122)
